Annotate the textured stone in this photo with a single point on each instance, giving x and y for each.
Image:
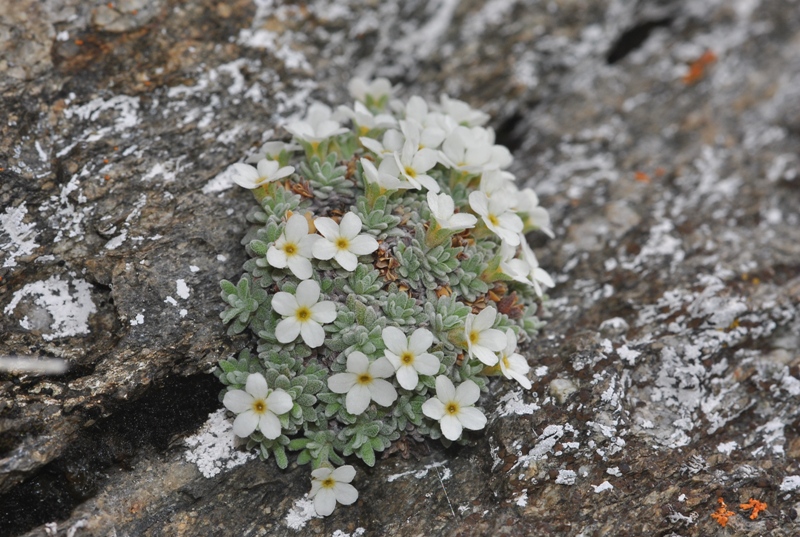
(672, 178)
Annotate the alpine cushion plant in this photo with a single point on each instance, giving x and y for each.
(388, 279)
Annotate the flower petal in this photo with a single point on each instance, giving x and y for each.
(472, 418)
(256, 385)
(433, 408)
(341, 382)
(394, 339)
(237, 401)
(346, 494)
(327, 227)
(348, 261)
(467, 393)
(420, 341)
(357, 362)
(324, 249)
(307, 293)
(323, 312)
(485, 319)
(269, 425)
(245, 423)
(296, 227)
(277, 258)
(357, 399)
(300, 266)
(426, 364)
(279, 402)
(451, 427)
(381, 368)
(350, 225)
(343, 474)
(284, 303)
(244, 175)
(287, 330)
(324, 502)
(363, 245)
(483, 354)
(407, 377)
(382, 392)
(445, 390)
(313, 334)
(493, 339)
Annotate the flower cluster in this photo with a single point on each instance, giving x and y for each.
(389, 278)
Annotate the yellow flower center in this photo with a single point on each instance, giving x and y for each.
(493, 219)
(451, 408)
(407, 358)
(473, 337)
(290, 248)
(303, 314)
(410, 171)
(342, 243)
(259, 406)
(506, 363)
(365, 378)
(328, 483)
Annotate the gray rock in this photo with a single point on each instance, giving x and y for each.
(672, 179)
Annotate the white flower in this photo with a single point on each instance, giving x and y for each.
(387, 181)
(413, 162)
(497, 216)
(527, 202)
(375, 90)
(466, 149)
(293, 248)
(392, 142)
(342, 242)
(318, 125)
(364, 382)
(366, 120)
(443, 210)
(408, 355)
(432, 134)
(537, 275)
(331, 486)
(257, 408)
(272, 151)
(512, 364)
(265, 172)
(303, 315)
(454, 407)
(463, 113)
(500, 184)
(483, 341)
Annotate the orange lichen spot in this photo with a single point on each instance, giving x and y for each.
(105, 161)
(147, 83)
(116, 148)
(107, 177)
(79, 42)
(135, 12)
(642, 177)
(697, 69)
(755, 505)
(755, 280)
(661, 172)
(110, 5)
(721, 515)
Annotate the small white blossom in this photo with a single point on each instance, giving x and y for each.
(443, 210)
(497, 216)
(413, 162)
(293, 248)
(317, 126)
(537, 275)
(387, 181)
(265, 172)
(363, 382)
(527, 202)
(342, 242)
(303, 315)
(392, 142)
(464, 150)
(432, 133)
(366, 120)
(375, 90)
(512, 364)
(462, 113)
(257, 407)
(454, 407)
(409, 356)
(272, 151)
(330, 486)
(483, 341)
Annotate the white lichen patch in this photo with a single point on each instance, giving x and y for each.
(512, 403)
(55, 307)
(213, 448)
(790, 483)
(182, 288)
(418, 474)
(301, 512)
(602, 487)
(17, 238)
(566, 477)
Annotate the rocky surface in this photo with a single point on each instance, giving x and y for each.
(662, 135)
